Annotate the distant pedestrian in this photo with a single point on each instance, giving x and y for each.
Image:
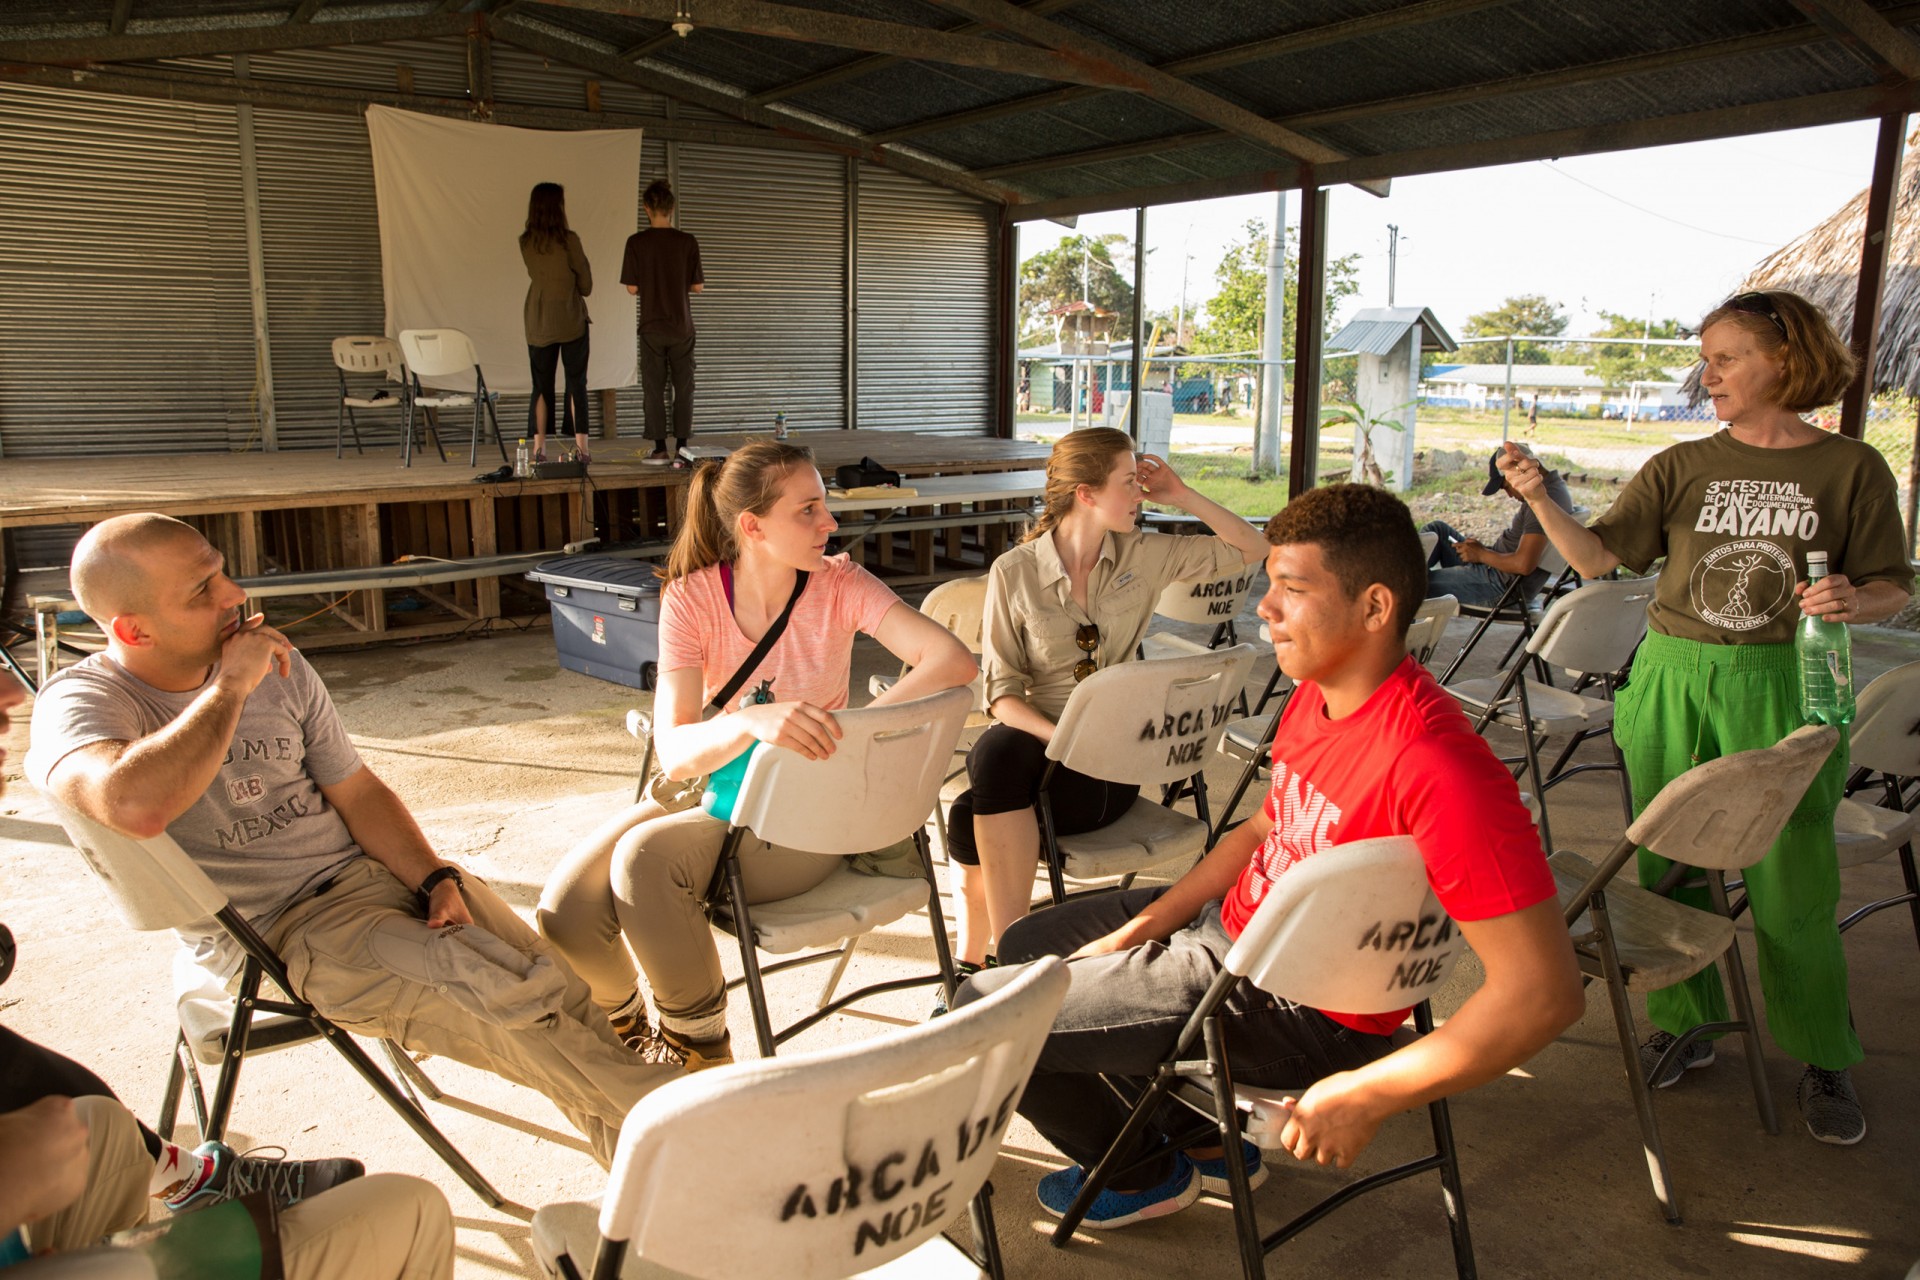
(661, 268)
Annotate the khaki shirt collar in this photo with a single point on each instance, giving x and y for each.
(1046, 558)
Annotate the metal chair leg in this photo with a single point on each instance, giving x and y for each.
(1736, 975)
(1246, 1226)
(170, 1097)
(832, 983)
(749, 958)
(1454, 1190)
(1616, 981)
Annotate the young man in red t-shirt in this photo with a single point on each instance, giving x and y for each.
(1369, 746)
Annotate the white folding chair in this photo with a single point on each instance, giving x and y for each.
(157, 886)
(447, 355)
(877, 788)
(845, 1162)
(1884, 740)
(1213, 602)
(1515, 606)
(1300, 946)
(1589, 632)
(1249, 739)
(1149, 724)
(369, 356)
(1717, 817)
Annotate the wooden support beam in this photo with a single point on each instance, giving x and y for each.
(1866, 33)
(122, 12)
(1874, 242)
(1309, 304)
(306, 11)
(187, 44)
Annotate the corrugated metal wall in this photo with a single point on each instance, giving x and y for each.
(925, 344)
(125, 323)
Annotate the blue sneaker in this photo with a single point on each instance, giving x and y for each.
(1213, 1173)
(1121, 1208)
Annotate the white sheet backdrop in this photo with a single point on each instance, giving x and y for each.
(453, 201)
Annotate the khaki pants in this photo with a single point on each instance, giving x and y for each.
(578, 1062)
(643, 874)
(384, 1227)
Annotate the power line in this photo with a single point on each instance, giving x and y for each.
(1651, 213)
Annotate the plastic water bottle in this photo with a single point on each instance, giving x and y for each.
(1825, 650)
(520, 466)
(780, 426)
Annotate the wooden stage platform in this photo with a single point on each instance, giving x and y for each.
(308, 513)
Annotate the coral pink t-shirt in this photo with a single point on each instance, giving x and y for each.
(812, 659)
(1407, 763)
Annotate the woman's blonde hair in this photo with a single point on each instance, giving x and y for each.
(749, 480)
(1079, 457)
(1815, 366)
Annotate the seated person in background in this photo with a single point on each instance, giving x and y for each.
(1076, 595)
(75, 1166)
(754, 525)
(1368, 746)
(210, 726)
(1473, 573)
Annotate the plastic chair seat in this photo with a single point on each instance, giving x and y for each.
(844, 905)
(444, 400)
(206, 1016)
(1242, 738)
(1167, 645)
(373, 402)
(1660, 941)
(573, 1228)
(1549, 704)
(1865, 832)
(1146, 835)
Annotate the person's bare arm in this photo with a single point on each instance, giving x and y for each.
(1531, 994)
(1580, 545)
(140, 787)
(689, 746)
(381, 825)
(1213, 877)
(1162, 484)
(937, 658)
(633, 289)
(696, 288)
(1016, 712)
(1519, 562)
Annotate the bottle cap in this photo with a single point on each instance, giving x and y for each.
(1816, 558)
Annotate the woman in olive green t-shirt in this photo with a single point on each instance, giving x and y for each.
(1733, 516)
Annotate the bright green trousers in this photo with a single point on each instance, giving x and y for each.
(1688, 702)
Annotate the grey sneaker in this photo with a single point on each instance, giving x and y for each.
(287, 1181)
(1831, 1108)
(1696, 1055)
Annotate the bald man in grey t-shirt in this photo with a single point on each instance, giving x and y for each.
(209, 726)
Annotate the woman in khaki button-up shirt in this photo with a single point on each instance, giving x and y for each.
(1083, 572)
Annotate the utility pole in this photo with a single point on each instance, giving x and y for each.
(1393, 257)
(1272, 375)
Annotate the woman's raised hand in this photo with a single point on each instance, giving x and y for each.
(798, 726)
(1159, 481)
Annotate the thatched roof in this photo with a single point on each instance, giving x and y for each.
(1823, 266)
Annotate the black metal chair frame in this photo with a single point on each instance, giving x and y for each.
(483, 403)
(1509, 609)
(1195, 785)
(344, 421)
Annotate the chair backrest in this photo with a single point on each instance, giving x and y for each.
(1428, 541)
(1726, 813)
(1594, 630)
(1429, 626)
(1210, 600)
(153, 882)
(817, 1165)
(366, 354)
(1886, 726)
(1552, 561)
(960, 605)
(1355, 927)
(1150, 723)
(877, 788)
(445, 355)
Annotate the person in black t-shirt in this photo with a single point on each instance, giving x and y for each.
(662, 267)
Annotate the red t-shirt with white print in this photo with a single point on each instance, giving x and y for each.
(1406, 763)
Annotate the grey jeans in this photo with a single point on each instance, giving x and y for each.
(1123, 1015)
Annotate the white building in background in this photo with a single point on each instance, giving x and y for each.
(1557, 388)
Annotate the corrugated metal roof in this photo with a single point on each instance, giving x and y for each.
(1375, 331)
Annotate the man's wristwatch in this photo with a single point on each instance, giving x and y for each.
(434, 877)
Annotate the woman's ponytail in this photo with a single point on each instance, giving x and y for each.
(749, 480)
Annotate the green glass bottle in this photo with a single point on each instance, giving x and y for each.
(1825, 651)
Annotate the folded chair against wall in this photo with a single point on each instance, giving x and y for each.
(447, 353)
(845, 1162)
(1299, 946)
(1250, 740)
(1151, 724)
(157, 886)
(877, 789)
(1589, 632)
(367, 358)
(1717, 817)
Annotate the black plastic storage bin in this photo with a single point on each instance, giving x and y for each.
(606, 616)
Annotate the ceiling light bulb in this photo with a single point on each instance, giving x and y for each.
(683, 20)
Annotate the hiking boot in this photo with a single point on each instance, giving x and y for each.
(699, 1055)
(1831, 1108)
(655, 1049)
(287, 1181)
(1213, 1173)
(634, 1029)
(1111, 1208)
(1696, 1055)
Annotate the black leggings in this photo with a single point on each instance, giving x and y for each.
(573, 420)
(1005, 768)
(30, 1072)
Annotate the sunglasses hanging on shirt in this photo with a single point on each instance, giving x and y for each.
(1087, 637)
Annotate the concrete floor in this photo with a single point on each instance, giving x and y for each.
(505, 759)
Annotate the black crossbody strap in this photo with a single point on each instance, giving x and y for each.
(760, 651)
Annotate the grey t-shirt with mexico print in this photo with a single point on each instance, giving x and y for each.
(1735, 523)
(263, 832)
